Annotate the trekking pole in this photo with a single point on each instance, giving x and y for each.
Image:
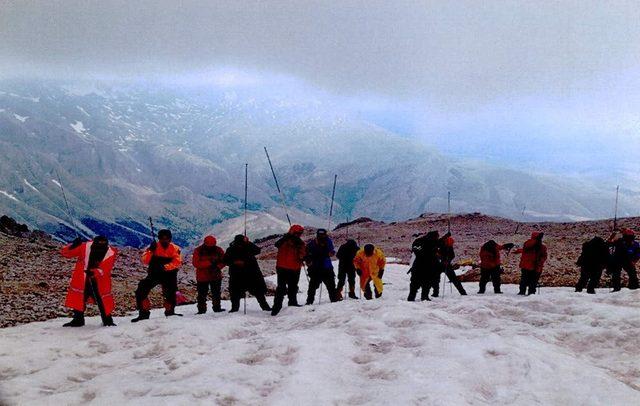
(246, 172)
(615, 217)
(524, 208)
(347, 231)
(333, 195)
(66, 203)
(275, 179)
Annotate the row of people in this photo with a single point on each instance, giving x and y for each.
(433, 255)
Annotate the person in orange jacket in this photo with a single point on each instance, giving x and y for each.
(534, 255)
(491, 265)
(370, 262)
(163, 259)
(289, 261)
(208, 259)
(95, 260)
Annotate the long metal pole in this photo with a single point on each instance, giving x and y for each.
(615, 218)
(333, 195)
(449, 212)
(246, 176)
(66, 203)
(275, 179)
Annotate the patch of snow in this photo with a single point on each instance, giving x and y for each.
(83, 111)
(2, 110)
(56, 183)
(9, 195)
(20, 118)
(26, 182)
(78, 127)
(556, 348)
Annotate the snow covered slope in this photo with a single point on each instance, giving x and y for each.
(557, 348)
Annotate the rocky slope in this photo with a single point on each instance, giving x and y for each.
(34, 277)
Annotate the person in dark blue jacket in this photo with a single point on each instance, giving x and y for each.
(318, 259)
(626, 253)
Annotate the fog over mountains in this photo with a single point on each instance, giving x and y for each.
(127, 151)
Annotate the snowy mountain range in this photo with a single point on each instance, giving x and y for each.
(128, 151)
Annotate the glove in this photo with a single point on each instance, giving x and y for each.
(380, 273)
(89, 272)
(76, 243)
(153, 246)
(359, 272)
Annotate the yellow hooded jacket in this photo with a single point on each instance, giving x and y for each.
(370, 267)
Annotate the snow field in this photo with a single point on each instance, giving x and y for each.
(556, 348)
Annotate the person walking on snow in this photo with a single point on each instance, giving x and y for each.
(490, 265)
(163, 259)
(447, 254)
(626, 252)
(534, 255)
(244, 273)
(208, 259)
(318, 258)
(369, 263)
(346, 270)
(289, 261)
(426, 265)
(95, 260)
(593, 259)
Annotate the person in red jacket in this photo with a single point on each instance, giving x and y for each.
(291, 253)
(534, 255)
(95, 260)
(208, 259)
(163, 259)
(490, 265)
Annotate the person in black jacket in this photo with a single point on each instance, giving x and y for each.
(426, 265)
(447, 254)
(346, 269)
(592, 261)
(244, 273)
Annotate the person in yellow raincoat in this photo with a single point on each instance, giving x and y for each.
(369, 263)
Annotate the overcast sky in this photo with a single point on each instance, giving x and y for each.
(562, 66)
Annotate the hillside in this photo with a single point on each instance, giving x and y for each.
(34, 277)
(127, 151)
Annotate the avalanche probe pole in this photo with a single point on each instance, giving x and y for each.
(246, 176)
(275, 179)
(615, 218)
(444, 279)
(66, 203)
(333, 195)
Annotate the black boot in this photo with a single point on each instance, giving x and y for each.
(263, 304)
(216, 306)
(77, 321)
(142, 315)
(108, 322)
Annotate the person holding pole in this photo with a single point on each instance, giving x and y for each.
(425, 270)
(244, 273)
(163, 259)
(318, 258)
(91, 279)
(534, 255)
(208, 259)
(369, 263)
(626, 253)
(289, 261)
(346, 270)
(446, 254)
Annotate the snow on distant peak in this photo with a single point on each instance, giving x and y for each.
(9, 195)
(56, 183)
(83, 111)
(21, 118)
(26, 182)
(78, 127)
